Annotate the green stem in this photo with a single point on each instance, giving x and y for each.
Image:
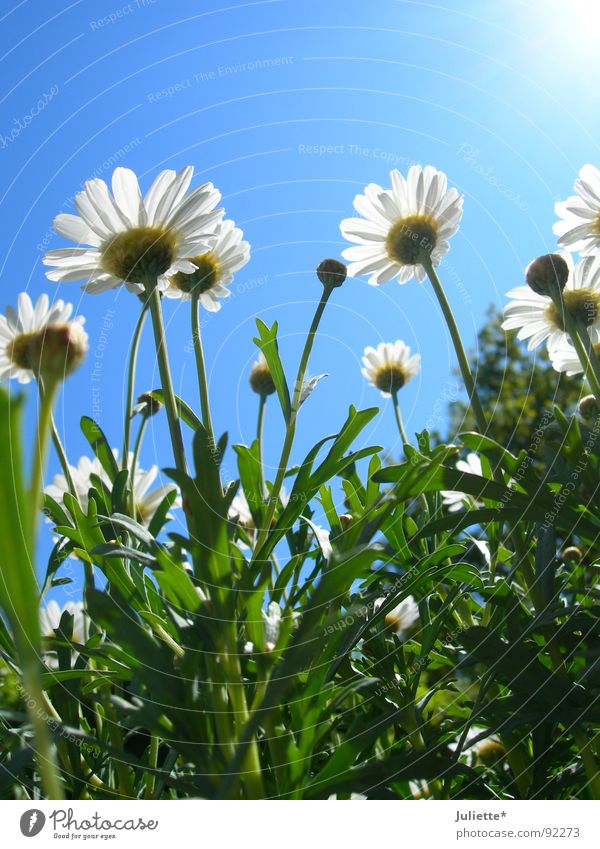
(152, 763)
(259, 441)
(40, 451)
(291, 424)
(589, 762)
(463, 362)
(165, 376)
(399, 421)
(201, 369)
(418, 743)
(43, 747)
(133, 354)
(134, 462)
(126, 788)
(252, 772)
(587, 357)
(62, 456)
(31, 670)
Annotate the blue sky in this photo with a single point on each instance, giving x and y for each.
(291, 108)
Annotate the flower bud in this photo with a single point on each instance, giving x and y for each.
(547, 274)
(588, 408)
(149, 406)
(261, 379)
(331, 273)
(572, 555)
(490, 751)
(57, 350)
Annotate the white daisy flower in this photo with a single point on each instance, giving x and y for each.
(224, 254)
(389, 366)
(19, 327)
(579, 229)
(50, 616)
(272, 625)
(402, 617)
(147, 502)
(538, 319)
(565, 359)
(271, 617)
(453, 500)
(401, 226)
(239, 511)
(132, 239)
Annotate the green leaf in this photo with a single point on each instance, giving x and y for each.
(185, 413)
(309, 482)
(250, 477)
(18, 584)
(267, 342)
(99, 444)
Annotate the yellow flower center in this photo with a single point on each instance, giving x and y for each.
(583, 305)
(139, 254)
(390, 378)
(411, 239)
(206, 276)
(18, 350)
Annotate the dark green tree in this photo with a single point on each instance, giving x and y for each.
(517, 387)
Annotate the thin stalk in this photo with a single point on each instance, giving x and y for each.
(201, 369)
(165, 376)
(133, 354)
(587, 357)
(417, 741)
(252, 772)
(259, 441)
(582, 343)
(398, 415)
(291, 425)
(463, 362)
(62, 456)
(404, 438)
(152, 763)
(40, 451)
(134, 461)
(31, 671)
(43, 747)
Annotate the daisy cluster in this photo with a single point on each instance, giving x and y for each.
(533, 309)
(172, 238)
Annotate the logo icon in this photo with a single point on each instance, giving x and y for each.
(32, 822)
